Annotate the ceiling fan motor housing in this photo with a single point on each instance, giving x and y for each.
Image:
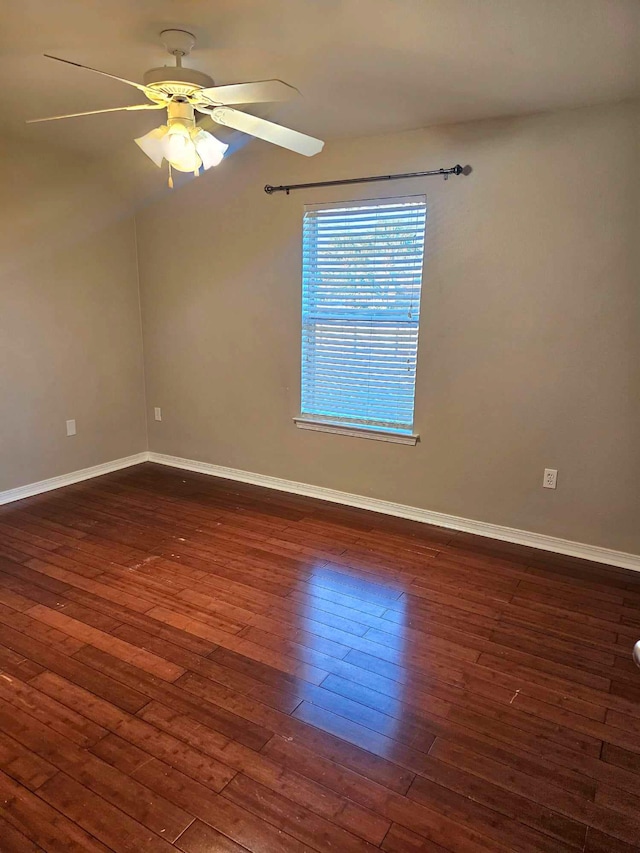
(170, 80)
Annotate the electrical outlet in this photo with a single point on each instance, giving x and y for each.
(71, 427)
(157, 413)
(550, 478)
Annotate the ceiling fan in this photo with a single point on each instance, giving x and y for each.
(183, 92)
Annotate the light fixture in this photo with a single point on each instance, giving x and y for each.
(184, 145)
(181, 91)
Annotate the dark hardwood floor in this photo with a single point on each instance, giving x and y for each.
(198, 665)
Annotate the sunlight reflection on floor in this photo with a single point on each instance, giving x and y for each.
(369, 619)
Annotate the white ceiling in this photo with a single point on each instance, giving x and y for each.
(363, 66)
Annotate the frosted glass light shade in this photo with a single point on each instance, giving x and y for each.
(179, 149)
(186, 149)
(151, 144)
(210, 149)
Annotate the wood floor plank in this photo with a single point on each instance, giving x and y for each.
(72, 669)
(14, 841)
(402, 840)
(217, 812)
(200, 838)
(218, 716)
(589, 813)
(294, 787)
(47, 827)
(63, 756)
(314, 831)
(27, 699)
(89, 635)
(27, 768)
(515, 834)
(137, 732)
(196, 664)
(98, 817)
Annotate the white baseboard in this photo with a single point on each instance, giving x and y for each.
(74, 477)
(481, 528)
(453, 522)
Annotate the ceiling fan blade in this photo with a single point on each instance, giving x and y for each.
(267, 130)
(248, 93)
(97, 112)
(96, 71)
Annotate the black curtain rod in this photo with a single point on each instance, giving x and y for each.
(454, 170)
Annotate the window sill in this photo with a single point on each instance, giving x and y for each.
(357, 431)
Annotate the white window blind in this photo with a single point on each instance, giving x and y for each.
(362, 275)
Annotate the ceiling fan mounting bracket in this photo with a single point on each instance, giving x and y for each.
(178, 43)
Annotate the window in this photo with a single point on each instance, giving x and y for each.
(361, 281)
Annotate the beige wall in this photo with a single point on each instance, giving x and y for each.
(70, 339)
(529, 349)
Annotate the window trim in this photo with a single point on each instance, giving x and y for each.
(392, 436)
